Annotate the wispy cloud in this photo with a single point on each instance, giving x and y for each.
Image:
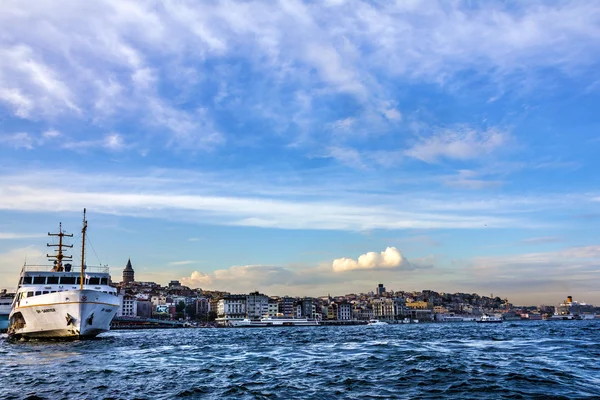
(175, 200)
(184, 262)
(117, 67)
(542, 239)
(11, 235)
(458, 144)
(19, 140)
(570, 270)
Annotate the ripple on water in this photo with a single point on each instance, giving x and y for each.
(516, 360)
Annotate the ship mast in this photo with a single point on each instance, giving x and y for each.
(83, 230)
(59, 257)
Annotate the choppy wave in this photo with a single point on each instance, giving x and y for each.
(517, 360)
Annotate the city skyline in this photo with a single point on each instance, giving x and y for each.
(307, 148)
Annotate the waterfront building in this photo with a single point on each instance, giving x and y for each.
(383, 308)
(440, 310)
(158, 300)
(128, 306)
(417, 305)
(380, 289)
(202, 306)
(366, 314)
(330, 311)
(306, 307)
(128, 273)
(399, 307)
(257, 305)
(231, 307)
(144, 308)
(273, 308)
(344, 311)
(286, 306)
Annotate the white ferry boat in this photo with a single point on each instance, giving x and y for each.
(490, 319)
(273, 322)
(62, 301)
(376, 322)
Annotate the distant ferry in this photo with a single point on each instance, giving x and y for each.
(376, 322)
(62, 301)
(272, 322)
(490, 319)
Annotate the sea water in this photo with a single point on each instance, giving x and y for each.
(545, 359)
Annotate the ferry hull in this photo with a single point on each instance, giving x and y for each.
(70, 315)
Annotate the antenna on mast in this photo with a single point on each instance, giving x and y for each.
(59, 257)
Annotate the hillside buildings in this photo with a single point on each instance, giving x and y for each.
(176, 301)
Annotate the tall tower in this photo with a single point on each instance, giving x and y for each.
(128, 274)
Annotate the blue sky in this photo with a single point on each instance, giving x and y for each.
(308, 147)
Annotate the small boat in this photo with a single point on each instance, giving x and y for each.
(490, 319)
(376, 322)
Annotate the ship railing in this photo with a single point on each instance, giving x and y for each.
(51, 268)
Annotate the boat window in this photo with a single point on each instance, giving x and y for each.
(67, 280)
(94, 281)
(27, 280)
(104, 281)
(78, 280)
(52, 280)
(54, 291)
(29, 294)
(46, 292)
(38, 293)
(39, 280)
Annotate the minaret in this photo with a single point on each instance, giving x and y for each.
(128, 276)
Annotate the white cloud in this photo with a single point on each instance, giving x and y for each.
(184, 262)
(542, 240)
(114, 142)
(115, 65)
(392, 114)
(458, 144)
(11, 235)
(111, 142)
(25, 77)
(310, 201)
(51, 134)
(389, 258)
(19, 140)
(343, 124)
(468, 179)
(197, 280)
(542, 276)
(242, 278)
(20, 103)
(346, 156)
